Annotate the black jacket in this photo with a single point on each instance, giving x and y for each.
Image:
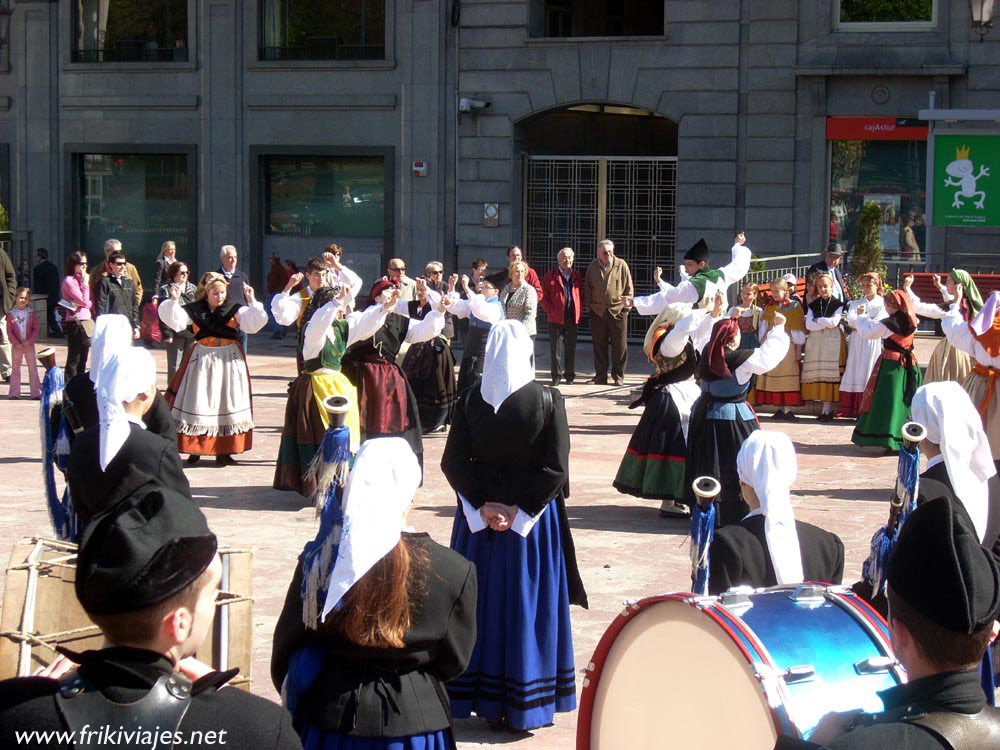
(739, 556)
(118, 296)
(125, 675)
(516, 456)
(152, 454)
(387, 692)
(235, 292)
(957, 692)
(45, 280)
(935, 483)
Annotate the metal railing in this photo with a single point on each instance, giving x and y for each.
(131, 51)
(322, 49)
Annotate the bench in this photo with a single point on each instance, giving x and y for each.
(923, 285)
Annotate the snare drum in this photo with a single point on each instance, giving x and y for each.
(733, 671)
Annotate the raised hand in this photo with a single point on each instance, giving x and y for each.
(907, 283)
(174, 292)
(248, 293)
(293, 281)
(741, 238)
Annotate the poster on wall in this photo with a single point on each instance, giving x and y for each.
(967, 180)
(888, 229)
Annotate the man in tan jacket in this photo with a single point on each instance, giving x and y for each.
(608, 280)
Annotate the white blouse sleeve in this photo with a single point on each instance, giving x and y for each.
(765, 357)
(523, 523)
(472, 517)
(872, 329)
(364, 323)
(675, 340)
(798, 337)
(172, 314)
(251, 318)
(737, 268)
(653, 304)
(286, 308)
(811, 323)
(316, 329)
(955, 328)
(926, 309)
(703, 331)
(426, 329)
(351, 280)
(485, 311)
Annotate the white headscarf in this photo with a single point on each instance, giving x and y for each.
(767, 463)
(953, 424)
(112, 334)
(507, 363)
(382, 484)
(123, 376)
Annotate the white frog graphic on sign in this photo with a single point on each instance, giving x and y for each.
(961, 169)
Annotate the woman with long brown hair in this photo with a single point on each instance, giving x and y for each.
(376, 620)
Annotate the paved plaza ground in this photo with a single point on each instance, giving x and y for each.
(625, 550)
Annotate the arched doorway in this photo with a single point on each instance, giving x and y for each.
(599, 170)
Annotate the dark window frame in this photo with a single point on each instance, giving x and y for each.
(72, 153)
(78, 58)
(261, 58)
(258, 175)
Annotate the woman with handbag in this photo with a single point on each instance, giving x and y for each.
(78, 323)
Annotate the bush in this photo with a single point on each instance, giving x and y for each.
(868, 250)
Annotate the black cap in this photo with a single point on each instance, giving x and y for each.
(835, 248)
(144, 550)
(699, 252)
(940, 569)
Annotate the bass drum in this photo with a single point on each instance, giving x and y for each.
(733, 671)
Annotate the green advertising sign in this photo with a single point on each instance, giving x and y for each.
(967, 180)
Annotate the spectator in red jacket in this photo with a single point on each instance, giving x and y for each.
(277, 277)
(560, 297)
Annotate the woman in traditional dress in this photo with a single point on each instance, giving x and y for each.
(325, 333)
(823, 366)
(507, 458)
(780, 387)
(482, 308)
(768, 546)
(749, 316)
(885, 406)
(980, 339)
(947, 362)
(362, 647)
(653, 464)
(721, 418)
(386, 402)
(210, 395)
(430, 365)
(862, 352)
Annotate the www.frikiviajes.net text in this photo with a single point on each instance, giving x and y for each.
(108, 736)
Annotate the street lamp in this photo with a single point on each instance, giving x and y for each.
(982, 16)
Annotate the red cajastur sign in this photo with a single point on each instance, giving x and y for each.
(875, 129)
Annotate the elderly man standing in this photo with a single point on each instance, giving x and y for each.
(397, 275)
(228, 255)
(101, 270)
(608, 281)
(830, 264)
(562, 287)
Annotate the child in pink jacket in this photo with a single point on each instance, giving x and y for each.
(22, 331)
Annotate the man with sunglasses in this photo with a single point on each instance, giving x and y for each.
(116, 292)
(101, 270)
(397, 275)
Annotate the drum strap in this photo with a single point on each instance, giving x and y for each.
(162, 709)
(962, 731)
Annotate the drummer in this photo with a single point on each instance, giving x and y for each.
(769, 547)
(147, 574)
(944, 598)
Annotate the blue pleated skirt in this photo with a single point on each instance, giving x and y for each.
(315, 739)
(522, 665)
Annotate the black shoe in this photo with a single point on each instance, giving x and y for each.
(568, 381)
(225, 460)
(193, 459)
(778, 416)
(497, 725)
(825, 418)
(790, 417)
(555, 381)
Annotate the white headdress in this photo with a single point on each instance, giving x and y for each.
(507, 362)
(123, 376)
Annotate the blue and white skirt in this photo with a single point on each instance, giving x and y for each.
(522, 665)
(315, 739)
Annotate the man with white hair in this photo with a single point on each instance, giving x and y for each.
(607, 291)
(228, 256)
(100, 270)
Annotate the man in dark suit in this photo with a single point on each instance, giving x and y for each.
(45, 280)
(830, 264)
(769, 546)
(229, 256)
(101, 455)
(147, 574)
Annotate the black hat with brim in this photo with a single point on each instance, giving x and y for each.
(143, 551)
(835, 248)
(940, 569)
(699, 252)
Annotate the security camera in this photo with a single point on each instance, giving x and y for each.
(471, 105)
